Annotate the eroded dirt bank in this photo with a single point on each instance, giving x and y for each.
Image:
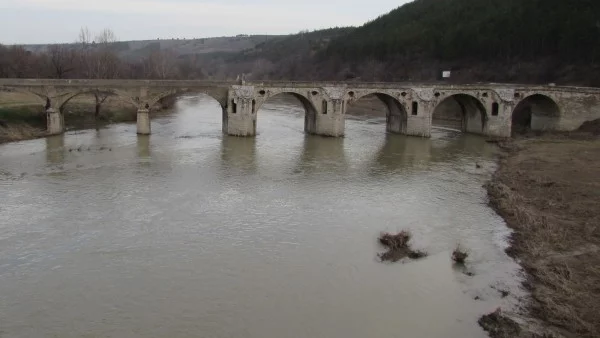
(548, 190)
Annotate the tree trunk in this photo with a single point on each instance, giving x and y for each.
(98, 105)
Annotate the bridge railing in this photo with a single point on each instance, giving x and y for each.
(131, 83)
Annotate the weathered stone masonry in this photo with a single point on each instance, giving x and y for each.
(486, 109)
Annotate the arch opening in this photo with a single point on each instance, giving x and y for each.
(171, 99)
(294, 103)
(535, 113)
(461, 112)
(193, 107)
(381, 105)
(22, 106)
(90, 107)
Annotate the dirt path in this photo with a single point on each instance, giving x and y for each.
(548, 191)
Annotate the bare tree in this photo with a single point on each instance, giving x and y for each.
(85, 52)
(106, 37)
(20, 61)
(262, 69)
(100, 98)
(85, 36)
(98, 60)
(62, 59)
(190, 67)
(163, 64)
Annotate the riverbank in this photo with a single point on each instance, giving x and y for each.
(23, 118)
(548, 192)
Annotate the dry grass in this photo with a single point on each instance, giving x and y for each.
(548, 191)
(19, 132)
(499, 326)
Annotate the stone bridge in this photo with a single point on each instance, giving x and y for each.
(485, 109)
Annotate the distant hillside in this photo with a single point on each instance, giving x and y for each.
(140, 49)
(285, 57)
(480, 29)
(525, 40)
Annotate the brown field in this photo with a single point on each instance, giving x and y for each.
(548, 191)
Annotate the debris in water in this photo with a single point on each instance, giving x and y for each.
(418, 254)
(499, 326)
(398, 241)
(398, 247)
(459, 256)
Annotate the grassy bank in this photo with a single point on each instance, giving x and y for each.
(18, 123)
(548, 191)
(22, 118)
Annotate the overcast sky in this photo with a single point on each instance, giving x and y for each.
(51, 21)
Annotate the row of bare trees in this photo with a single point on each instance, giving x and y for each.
(94, 57)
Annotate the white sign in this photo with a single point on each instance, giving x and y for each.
(446, 74)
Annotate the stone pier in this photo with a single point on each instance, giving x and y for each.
(483, 109)
(143, 122)
(55, 121)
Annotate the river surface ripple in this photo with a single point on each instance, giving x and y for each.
(189, 233)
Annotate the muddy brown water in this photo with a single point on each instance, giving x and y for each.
(189, 233)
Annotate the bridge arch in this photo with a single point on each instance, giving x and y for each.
(535, 112)
(173, 94)
(35, 97)
(100, 96)
(462, 112)
(310, 110)
(396, 116)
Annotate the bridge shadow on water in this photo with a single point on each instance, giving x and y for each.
(450, 146)
(400, 153)
(321, 154)
(55, 149)
(238, 155)
(143, 147)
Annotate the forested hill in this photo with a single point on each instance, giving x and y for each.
(480, 29)
(537, 38)
(525, 41)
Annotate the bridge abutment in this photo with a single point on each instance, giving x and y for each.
(143, 122)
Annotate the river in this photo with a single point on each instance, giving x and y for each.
(189, 233)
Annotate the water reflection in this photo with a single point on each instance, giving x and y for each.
(450, 145)
(242, 237)
(401, 152)
(322, 154)
(55, 149)
(238, 153)
(143, 146)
